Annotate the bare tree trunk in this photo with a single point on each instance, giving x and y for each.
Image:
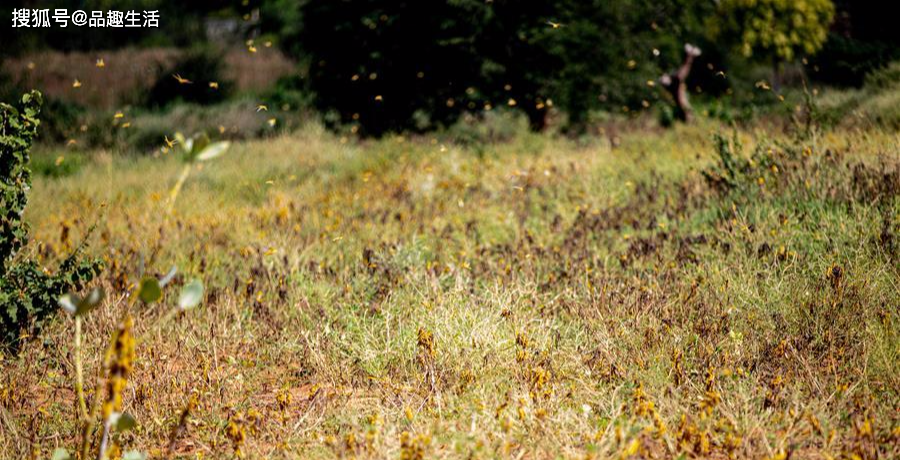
(676, 83)
(776, 74)
(537, 119)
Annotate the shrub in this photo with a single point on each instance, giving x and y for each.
(876, 103)
(884, 78)
(845, 61)
(61, 120)
(291, 92)
(28, 292)
(47, 164)
(481, 129)
(201, 66)
(233, 119)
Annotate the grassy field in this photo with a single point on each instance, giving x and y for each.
(669, 296)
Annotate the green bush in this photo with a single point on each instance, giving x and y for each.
(876, 103)
(28, 292)
(291, 92)
(61, 120)
(481, 129)
(201, 66)
(391, 66)
(887, 77)
(47, 163)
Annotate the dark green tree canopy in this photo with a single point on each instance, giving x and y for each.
(390, 65)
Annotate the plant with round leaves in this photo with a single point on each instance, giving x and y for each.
(200, 148)
(191, 295)
(60, 453)
(148, 291)
(134, 455)
(122, 421)
(81, 306)
(194, 149)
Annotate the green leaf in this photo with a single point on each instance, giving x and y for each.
(90, 302)
(81, 306)
(134, 455)
(184, 144)
(150, 291)
(69, 303)
(61, 454)
(200, 143)
(191, 295)
(181, 140)
(122, 421)
(213, 150)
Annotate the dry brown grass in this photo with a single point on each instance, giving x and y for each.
(129, 71)
(400, 299)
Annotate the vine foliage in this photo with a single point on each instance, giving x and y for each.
(28, 292)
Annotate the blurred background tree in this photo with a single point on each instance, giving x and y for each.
(379, 63)
(375, 66)
(401, 65)
(182, 24)
(862, 39)
(774, 30)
